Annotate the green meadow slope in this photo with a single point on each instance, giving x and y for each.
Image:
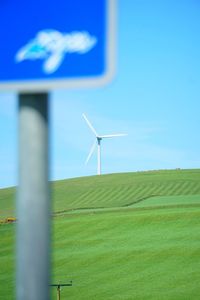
(121, 190)
(129, 254)
(113, 190)
(118, 236)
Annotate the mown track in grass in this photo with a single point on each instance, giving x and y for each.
(118, 190)
(113, 190)
(147, 203)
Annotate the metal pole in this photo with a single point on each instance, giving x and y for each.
(99, 156)
(33, 201)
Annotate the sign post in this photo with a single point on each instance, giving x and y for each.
(33, 203)
(47, 45)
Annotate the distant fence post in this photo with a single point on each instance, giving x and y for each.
(58, 285)
(58, 292)
(33, 199)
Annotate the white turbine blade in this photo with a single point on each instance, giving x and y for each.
(91, 152)
(90, 125)
(112, 135)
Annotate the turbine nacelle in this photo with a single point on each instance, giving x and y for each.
(98, 143)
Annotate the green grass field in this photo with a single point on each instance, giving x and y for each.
(122, 236)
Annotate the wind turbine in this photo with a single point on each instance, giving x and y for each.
(98, 143)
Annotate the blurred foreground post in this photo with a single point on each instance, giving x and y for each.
(33, 201)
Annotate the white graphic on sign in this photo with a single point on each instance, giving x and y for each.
(52, 45)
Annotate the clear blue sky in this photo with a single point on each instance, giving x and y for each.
(154, 97)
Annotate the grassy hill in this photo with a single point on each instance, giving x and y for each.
(119, 190)
(113, 190)
(119, 236)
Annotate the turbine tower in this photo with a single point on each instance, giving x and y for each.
(98, 143)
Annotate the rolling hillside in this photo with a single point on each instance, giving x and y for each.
(119, 190)
(119, 236)
(113, 190)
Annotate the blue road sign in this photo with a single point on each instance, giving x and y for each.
(50, 44)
